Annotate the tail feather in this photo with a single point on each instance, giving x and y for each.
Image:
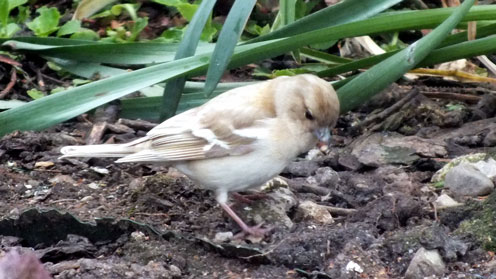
(99, 150)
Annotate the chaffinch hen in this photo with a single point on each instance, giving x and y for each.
(237, 140)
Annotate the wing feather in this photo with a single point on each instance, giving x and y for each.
(212, 130)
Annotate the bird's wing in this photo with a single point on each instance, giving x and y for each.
(213, 130)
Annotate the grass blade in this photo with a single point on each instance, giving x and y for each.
(187, 47)
(344, 12)
(228, 38)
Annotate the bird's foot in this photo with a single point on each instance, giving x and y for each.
(256, 231)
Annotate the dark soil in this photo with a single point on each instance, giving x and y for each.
(92, 218)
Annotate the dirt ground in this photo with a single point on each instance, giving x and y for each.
(92, 218)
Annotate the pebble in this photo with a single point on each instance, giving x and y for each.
(326, 176)
(425, 263)
(302, 168)
(223, 237)
(467, 180)
(445, 201)
(308, 210)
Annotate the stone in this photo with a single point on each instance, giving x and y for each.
(326, 177)
(445, 201)
(467, 180)
(223, 236)
(308, 210)
(302, 168)
(425, 263)
(490, 138)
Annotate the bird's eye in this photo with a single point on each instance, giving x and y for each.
(308, 115)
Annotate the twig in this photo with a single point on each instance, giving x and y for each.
(53, 79)
(62, 200)
(151, 214)
(39, 76)
(471, 99)
(10, 85)
(10, 61)
(339, 210)
(137, 124)
(387, 112)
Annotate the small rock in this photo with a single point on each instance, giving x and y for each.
(100, 170)
(467, 180)
(272, 210)
(87, 198)
(326, 176)
(93, 186)
(302, 168)
(63, 178)
(274, 183)
(488, 167)
(175, 271)
(490, 139)
(308, 210)
(425, 263)
(469, 158)
(34, 183)
(223, 237)
(43, 164)
(138, 236)
(353, 267)
(445, 201)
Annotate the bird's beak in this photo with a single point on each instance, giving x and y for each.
(323, 135)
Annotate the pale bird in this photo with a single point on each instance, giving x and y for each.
(237, 140)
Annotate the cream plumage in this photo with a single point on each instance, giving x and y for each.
(239, 139)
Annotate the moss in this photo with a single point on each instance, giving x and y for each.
(483, 225)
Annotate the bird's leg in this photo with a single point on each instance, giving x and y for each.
(255, 231)
(248, 198)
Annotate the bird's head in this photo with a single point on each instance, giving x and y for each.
(309, 101)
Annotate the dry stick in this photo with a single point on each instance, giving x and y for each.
(471, 99)
(9, 61)
(6, 90)
(53, 79)
(339, 210)
(387, 112)
(39, 76)
(137, 124)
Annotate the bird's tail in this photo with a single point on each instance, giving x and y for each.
(98, 150)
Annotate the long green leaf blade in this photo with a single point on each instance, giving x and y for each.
(228, 38)
(187, 47)
(344, 12)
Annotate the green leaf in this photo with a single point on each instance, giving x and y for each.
(35, 94)
(86, 8)
(173, 34)
(228, 38)
(85, 34)
(4, 13)
(138, 26)
(345, 11)
(187, 10)
(69, 27)
(11, 29)
(16, 3)
(365, 85)
(173, 3)
(324, 57)
(187, 47)
(46, 23)
(287, 10)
